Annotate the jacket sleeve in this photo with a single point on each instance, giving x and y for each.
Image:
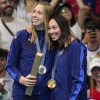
(13, 58)
(78, 72)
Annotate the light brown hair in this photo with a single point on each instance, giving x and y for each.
(48, 11)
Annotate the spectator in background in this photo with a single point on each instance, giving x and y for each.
(9, 25)
(92, 41)
(75, 25)
(5, 80)
(94, 92)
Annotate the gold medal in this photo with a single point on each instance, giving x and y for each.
(51, 83)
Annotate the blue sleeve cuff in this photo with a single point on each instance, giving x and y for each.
(18, 77)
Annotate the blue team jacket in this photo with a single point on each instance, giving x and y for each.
(70, 74)
(20, 60)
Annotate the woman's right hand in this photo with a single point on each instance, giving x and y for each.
(28, 29)
(29, 80)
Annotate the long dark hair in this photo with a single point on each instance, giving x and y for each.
(65, 36)
(68, 6)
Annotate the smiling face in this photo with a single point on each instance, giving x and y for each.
(38, 16)
(53, 30)
(96, 73)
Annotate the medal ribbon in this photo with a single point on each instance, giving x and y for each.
(39, 50)
(54, 67)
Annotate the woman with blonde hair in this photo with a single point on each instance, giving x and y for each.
(23, 49)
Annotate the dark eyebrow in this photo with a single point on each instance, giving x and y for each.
(55, 25)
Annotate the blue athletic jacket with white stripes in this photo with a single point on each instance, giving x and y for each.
(20, 60)
(70, 74)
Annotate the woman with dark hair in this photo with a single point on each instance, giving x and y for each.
(75, 25)
(63, 8)
(68, 78)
